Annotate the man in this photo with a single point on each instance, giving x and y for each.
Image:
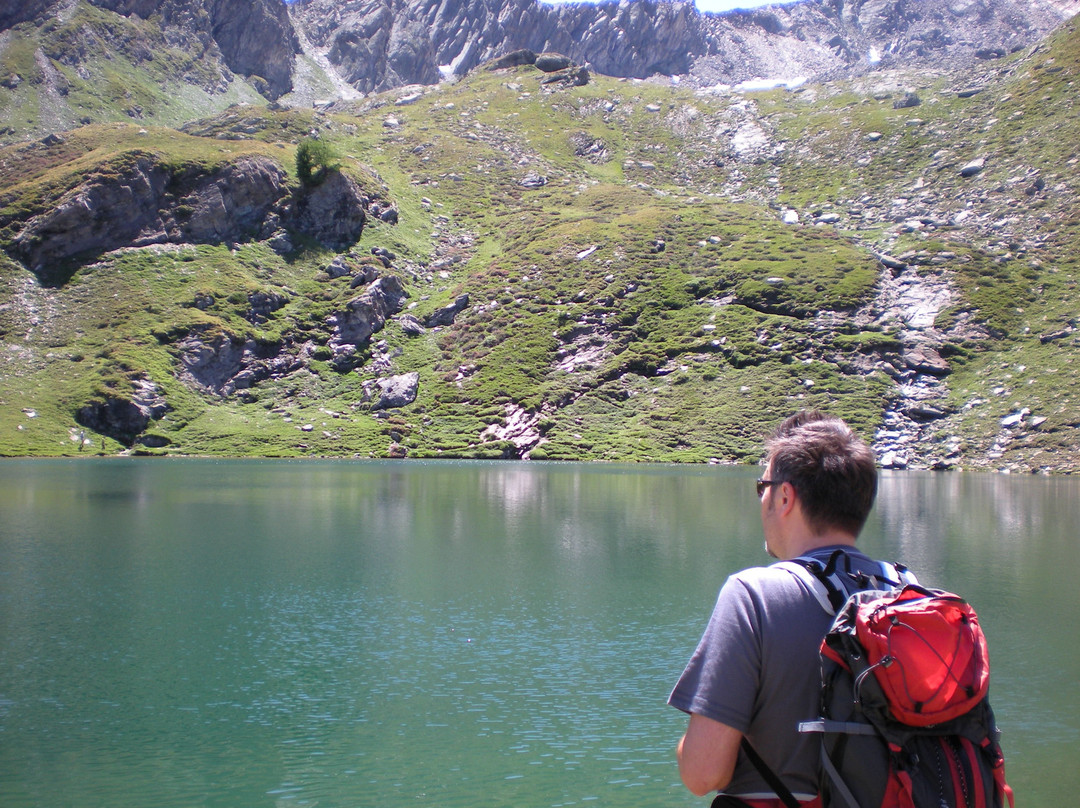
(756, 669)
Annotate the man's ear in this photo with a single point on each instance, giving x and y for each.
(787, 499)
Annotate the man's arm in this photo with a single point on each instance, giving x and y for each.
(707, 754)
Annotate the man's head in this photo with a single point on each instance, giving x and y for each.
(832, 471)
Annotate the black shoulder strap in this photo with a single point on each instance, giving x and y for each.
(770, 777)
(840, 581)
(828, 576)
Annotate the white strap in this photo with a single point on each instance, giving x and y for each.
(894, 573)
(838, 727)
(816, 587)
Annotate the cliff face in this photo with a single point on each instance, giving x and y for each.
(378, 44)
(254, 38)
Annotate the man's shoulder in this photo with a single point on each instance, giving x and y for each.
(760, 579)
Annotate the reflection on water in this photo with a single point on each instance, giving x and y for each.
(474, 634)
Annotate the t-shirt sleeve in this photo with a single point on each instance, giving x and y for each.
(721, 679)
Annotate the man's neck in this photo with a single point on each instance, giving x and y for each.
(800, 546)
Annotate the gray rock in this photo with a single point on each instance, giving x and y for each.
(280, 242)
(573, 76)
(447, 314)
(890, 262)
(924, 412)
(143, 202)
(364, 275)
(224, 365)
(332, 212)
(925, 359)
(411, 326)
(263, 304)
(552, 62)
(1015, 419)
(397, 391)
(339, 267)
(893, 460)
(517, 58)
(973, 168)
(367, 313)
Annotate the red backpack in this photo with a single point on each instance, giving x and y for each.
(905, 716)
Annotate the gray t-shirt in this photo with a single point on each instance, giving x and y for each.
(757, 669)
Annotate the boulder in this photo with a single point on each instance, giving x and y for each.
(552, 62)
(367, 313)
(411, 326)
(397, 391)
(517, 58)
(338, 267)
(447, 314)
(973, 168)
(332, 212)
(573, 76)
(925, 359)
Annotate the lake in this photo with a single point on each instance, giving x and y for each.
(383, 634)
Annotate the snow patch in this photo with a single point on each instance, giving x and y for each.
(449, 71)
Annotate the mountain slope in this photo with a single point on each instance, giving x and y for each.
(64, 64)
(548, 268)
(69, 62)
(378, 45)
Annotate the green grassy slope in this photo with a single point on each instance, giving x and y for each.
(633, 293)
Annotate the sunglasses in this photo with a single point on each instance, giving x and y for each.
(762, 484)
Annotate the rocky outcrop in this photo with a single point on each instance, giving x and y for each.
(223, 365)
(137, 201)
(104, 212)
(124, 416)
(23, 11)
(254, 37)
(362, 316)
(332, 212)
(378, 45)
(232, 204)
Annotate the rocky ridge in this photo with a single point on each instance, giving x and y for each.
(139, 201)
(377, 45)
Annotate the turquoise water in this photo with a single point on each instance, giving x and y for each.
(208, 633)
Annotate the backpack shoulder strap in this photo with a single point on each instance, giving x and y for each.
(832, 582)
(782, 792)
(810, 572)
